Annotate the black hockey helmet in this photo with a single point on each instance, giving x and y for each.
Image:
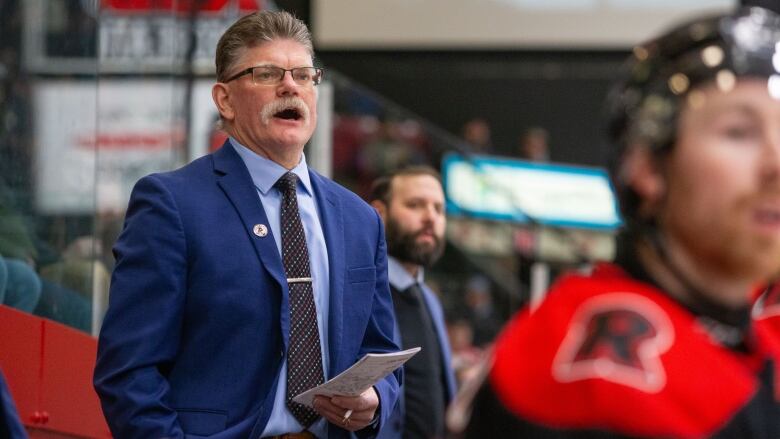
(663, 74)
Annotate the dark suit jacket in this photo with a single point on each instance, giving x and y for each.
(395, 426)
(198, 318)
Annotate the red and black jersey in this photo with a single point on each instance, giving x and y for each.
(606, 356)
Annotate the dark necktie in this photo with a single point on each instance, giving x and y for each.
(415, 291)
(424, 389)
(304, 357)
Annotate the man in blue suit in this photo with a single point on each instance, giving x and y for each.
(411, 203)
(200, 335)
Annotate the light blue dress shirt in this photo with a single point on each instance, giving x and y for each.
(264, 174)
(399, 278)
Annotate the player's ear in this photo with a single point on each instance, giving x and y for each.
(641, 170)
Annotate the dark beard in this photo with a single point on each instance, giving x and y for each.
(403, 246)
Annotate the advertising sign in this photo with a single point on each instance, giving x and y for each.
(128, 36)
(93, 143)
(514, 190)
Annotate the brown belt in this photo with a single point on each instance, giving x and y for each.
(301, 435)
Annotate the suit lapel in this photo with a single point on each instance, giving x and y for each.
(331, 217)
(234, 180)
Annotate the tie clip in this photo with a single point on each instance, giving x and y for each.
(298, 280)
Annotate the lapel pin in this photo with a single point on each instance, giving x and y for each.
(260, 230)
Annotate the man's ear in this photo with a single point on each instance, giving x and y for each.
(221, 95)
(381, 208)
(642, 172)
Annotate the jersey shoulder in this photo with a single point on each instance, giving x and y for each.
(607, 350)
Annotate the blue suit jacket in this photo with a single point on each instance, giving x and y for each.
(198, 318)
(395, 426)
(10, 425)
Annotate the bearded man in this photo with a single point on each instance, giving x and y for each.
(411, 204)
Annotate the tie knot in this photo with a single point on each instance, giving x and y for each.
(286, 183)
(414, 290)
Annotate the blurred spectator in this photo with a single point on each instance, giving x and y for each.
(388, 151)
(350, 135)
(465, 356)
(20, 286)
(24, 288)
(534, 145)
(481, 313)
(15, 239)
(81, 268)
(476, 132)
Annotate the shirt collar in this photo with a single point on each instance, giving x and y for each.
(399, 278)
(266, 172)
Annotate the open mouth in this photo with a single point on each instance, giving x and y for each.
(289, 114)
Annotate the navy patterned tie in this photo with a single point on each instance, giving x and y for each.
(304, 357)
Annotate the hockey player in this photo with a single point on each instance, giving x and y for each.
(661, 343)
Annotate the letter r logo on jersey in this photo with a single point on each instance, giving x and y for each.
(617, 337)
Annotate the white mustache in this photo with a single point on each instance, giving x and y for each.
(282, 104)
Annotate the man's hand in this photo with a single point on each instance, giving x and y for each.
(335, 409)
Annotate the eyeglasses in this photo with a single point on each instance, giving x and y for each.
(272, 75)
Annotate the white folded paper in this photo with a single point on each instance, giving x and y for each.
(359, 377)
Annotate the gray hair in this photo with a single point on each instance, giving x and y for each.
(254, 29)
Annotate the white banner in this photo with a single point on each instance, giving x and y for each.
(93, 141)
